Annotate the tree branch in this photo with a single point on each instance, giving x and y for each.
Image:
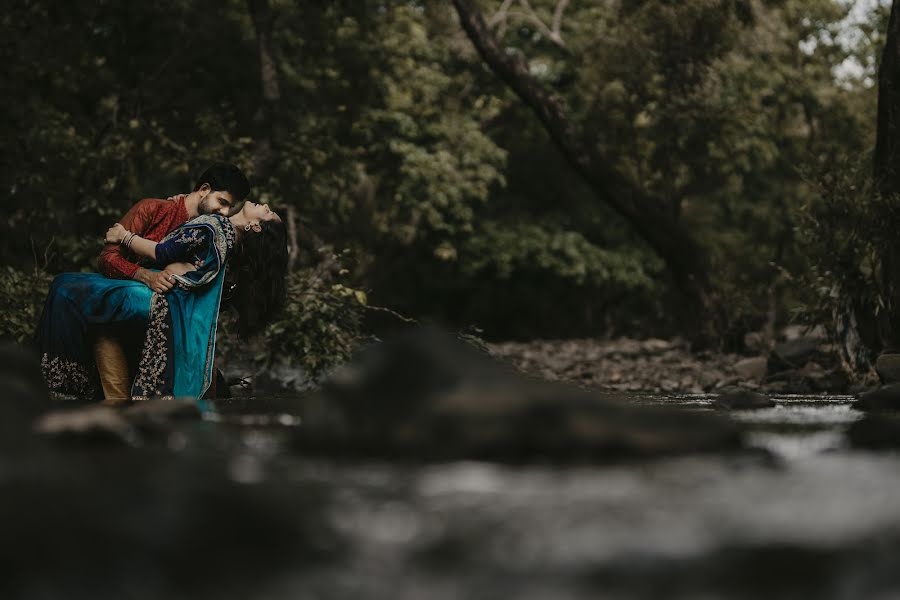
(685, 259)
(550, 34)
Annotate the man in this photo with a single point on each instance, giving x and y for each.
(218, 189)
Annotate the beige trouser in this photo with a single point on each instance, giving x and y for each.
(112, 364)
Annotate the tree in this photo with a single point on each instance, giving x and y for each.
(649, 216)
(886, 171)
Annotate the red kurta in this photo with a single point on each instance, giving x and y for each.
(151, 219)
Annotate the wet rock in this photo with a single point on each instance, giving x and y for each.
(753, 368)
(875, 433)
(834, 381)
(792, 354)
(887, 366)
(742, 400)
(794, 332)
(427, 395)
(90, 423)
(791, 381)
(886, 397)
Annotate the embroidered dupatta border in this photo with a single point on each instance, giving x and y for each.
(154, 355)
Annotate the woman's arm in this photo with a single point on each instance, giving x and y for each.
(119, 235)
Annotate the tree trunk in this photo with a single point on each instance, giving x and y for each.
(886, 170)
(887, 144)
(651, 218)
(261, 15)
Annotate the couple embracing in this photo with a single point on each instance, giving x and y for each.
(146, 325)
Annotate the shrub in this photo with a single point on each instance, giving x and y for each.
(849, 236)
(22, 294)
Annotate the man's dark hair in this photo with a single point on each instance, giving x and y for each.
(225, 177)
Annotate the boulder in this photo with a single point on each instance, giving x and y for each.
(875, 433)
(25, 397)
(753, 368)
(887, 365)
(89, 423)
(429, 396)
(792, 354)
(886, 397)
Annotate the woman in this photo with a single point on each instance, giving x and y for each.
(180, 326)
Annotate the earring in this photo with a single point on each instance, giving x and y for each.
(247, 227)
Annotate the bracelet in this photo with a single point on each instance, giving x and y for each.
(129, 237)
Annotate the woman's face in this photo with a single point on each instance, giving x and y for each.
(259, 212)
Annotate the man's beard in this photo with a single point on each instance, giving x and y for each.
(205, 207)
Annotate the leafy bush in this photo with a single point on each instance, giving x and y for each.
(849, 235)
(319, 327)
(22, 293)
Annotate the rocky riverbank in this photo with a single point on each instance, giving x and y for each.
(800, 362)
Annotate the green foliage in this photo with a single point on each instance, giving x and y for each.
(849, 234)
(319, 328)
(391, 138)
(505, 251)
(22, 295)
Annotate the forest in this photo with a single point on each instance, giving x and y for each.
(584, 299)
(520, 170)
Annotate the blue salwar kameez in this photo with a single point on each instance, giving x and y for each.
(180, 326)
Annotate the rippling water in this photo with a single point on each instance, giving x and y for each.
(817, 520)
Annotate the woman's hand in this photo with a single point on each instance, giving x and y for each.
(180, 268)
(115, 234)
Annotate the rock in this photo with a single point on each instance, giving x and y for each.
(752, 368)
(655, 346)
(25, 397)
(83, 523)
(792, 354)
(157, 415)
(159, 409)
(883, 398)
(792, 381)
(743, 400)
(755, 341)
(428, 396)
(90, 423)
(834, 381)
(875, 433)
(887, 365)
(794, 332)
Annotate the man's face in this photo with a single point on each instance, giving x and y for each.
(215, 202)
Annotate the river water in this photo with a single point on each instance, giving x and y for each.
(812, 518)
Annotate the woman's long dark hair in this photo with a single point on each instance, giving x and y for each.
(258, 271)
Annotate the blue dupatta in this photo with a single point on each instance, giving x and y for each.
(180, 327)
(177, 358)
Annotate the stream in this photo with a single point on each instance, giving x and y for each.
(227, 506)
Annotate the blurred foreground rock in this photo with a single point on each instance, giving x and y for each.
(427, 395)
(881, 432)
(24, 396)
(884, 398)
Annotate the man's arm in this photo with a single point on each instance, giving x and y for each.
(113, 263)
